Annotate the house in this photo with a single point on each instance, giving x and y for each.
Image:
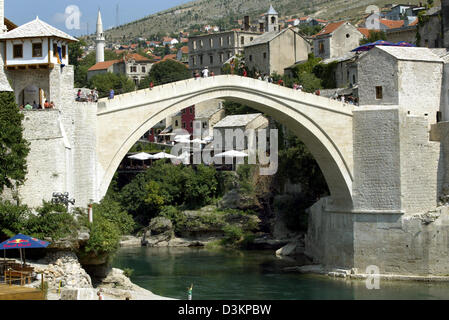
(112, 66)
(430, 34)
(242, 123)
(209, 113)
(274, 51)
(34, 45)
(405, 33)
(416, 70)
(213, 50)
(398, 12)
(169, 41)
(336, 39)
(345, 72)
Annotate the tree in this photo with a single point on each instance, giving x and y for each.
(14, 148)
(165, 72)
(106, 81)
(374, 36)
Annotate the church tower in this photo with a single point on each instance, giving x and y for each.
(272, 20)
(100, 40)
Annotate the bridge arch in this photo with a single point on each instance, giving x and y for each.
(324, 125)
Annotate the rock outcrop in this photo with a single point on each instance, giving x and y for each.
(62, 267)
(159, 232)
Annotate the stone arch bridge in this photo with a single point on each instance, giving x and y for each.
(324, 125)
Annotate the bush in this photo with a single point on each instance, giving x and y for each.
(104, 237)
(113, 212)
(233, 234)
(12, 218)
(128, 272)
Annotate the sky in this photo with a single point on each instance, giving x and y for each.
(63, 14)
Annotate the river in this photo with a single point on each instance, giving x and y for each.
(251, 275)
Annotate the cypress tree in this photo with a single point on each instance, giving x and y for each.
(13, 147)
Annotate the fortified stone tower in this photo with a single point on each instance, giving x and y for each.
(100, 40)
(272, 18)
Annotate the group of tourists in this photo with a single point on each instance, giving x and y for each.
(205, 73)
(91, 97)
(36, 106)
(346, 99)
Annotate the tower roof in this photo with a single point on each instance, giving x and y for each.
(271, 11)
(36, 29)
(99, 23)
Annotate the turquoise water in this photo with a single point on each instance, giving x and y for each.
(250, 275)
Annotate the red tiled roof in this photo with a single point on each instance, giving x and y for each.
(331, 27)
(184, 40)
(167, 39)
(291, 20)
(303, 18)
(137, 57)
(321, 20)
(103, 65)
(185, 49)
(392, 24)
(364, 31)
(169, 56)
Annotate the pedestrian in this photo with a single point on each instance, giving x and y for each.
(52, 105)
(205, 72)
(295, 86)
(281, 82)
(78, 95)
(46, 104)
(197, 74)
(265, 77)
(300, 88)
(28, 106)
(95, 95)
(111, 94)
(100, 296)
(245, 73)
(342, 99)
(317, 92)
(151, 85)
(212, 74)
(90, 97)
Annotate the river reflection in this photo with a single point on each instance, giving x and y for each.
(254, 275)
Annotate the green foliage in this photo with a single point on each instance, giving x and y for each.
(165, 184)
(104, 237)
(246, 173)
(83, 65)
(52, 221)
(234, 108)
(12, 218)
(107, 81)
(308, 30)
(304, 74)
(75, 52)
(298, 165)
(326, 72)
(233, 234)
(112, 211)
(165, 72)
(374, 36)
(128, 272)
(14, 148)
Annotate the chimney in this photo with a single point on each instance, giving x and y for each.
(246, 25)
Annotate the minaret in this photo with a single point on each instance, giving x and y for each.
(272, 18)
(100, 40)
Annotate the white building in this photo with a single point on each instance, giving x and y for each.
(100, 39)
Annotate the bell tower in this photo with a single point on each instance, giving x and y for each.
(272, 20)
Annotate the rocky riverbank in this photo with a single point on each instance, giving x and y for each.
(67, 280)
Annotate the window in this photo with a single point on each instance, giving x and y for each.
(229, 40)
(273, 20)
(250, 57)
(55, 49)
(191, 110)
(183, 125)
(221, 41)
(176, 123)
(204, 125)
(251, 39)
(221, 57)
(201, 60)
(264, 55)
(211, 43)
(211, 59)
(37, 50)
(379, 92)
(348, 35)
(242, 40)
(426, 43)
(133, 69)
(201, 43)
(191, 124)
(18, 51)
(321, 47)
(64, 52)
(144, 69)
(193, 60)
(183, 111)
(194, 45)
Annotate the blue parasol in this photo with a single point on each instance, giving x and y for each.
(22, 241)
(369, 46)
(404, 44)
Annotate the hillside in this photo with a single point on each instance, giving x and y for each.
(225, 14)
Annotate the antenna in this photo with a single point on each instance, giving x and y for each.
(117, 17)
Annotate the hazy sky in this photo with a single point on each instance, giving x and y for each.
(54, 12)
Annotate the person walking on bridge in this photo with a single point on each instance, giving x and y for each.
(205, 72)
(111, 94)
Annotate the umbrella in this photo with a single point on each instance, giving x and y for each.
(182, 137)
(369, 46)
(404, 44)
(183, 140)
(199, 141)
(163, 155)
(22, 241)
(141, 156)
(231, 154)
